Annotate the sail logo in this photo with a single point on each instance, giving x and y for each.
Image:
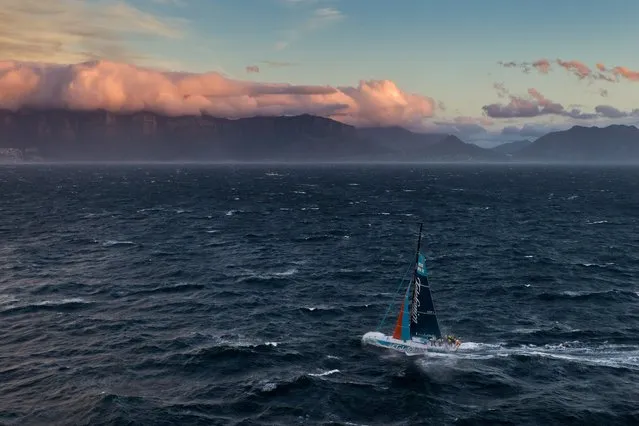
(407, 349)
(418, 287)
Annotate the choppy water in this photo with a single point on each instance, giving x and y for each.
(238, 295)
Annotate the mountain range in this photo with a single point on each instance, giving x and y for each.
(65, 135)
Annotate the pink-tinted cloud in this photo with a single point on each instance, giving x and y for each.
(577, 68)
(574, 67)
(252, 69)
(626, 73)
(541, 65)
(121, 87)
(533, 105)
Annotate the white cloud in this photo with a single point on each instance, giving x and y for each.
(320, 18)
(64, 31)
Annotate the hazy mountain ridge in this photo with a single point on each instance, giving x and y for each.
(61, 134)
(100, 135)
(615, 143)
(509, 148)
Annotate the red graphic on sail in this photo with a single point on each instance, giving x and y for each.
(397, 334)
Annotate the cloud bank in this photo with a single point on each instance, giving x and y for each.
(121, 87)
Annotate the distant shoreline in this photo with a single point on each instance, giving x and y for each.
(314, 163)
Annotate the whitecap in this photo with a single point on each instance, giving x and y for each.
(324, 373)
(286, 273)
(318, 308)
(598, 265)
(110, 243)
(61, 302)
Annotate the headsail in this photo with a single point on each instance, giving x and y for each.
(423, 318)
(402, 326)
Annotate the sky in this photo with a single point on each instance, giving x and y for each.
(488, 71)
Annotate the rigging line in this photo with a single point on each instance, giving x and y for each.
(381, 323)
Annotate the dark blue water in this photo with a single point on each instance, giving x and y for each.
(239, 295)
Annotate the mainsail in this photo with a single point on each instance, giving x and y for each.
(423, 318)
(417, 315)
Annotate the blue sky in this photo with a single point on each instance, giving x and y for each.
(448, 51)
(444, 49)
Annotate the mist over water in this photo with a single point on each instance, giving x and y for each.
(227, 294)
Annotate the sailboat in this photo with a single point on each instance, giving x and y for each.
(417, 328)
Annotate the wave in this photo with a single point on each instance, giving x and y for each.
(61, 305)
(228, 355)
(296, 382)
(250, 276)
(598, 265)
(324, 373)
(343, 308)
(115, 243)
(313, 238)
(606, 295)
(177, 288)
(287, 273)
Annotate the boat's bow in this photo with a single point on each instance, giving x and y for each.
(372, 337)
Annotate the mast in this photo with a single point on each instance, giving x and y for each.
(419, 243)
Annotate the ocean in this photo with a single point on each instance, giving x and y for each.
(238, 294)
